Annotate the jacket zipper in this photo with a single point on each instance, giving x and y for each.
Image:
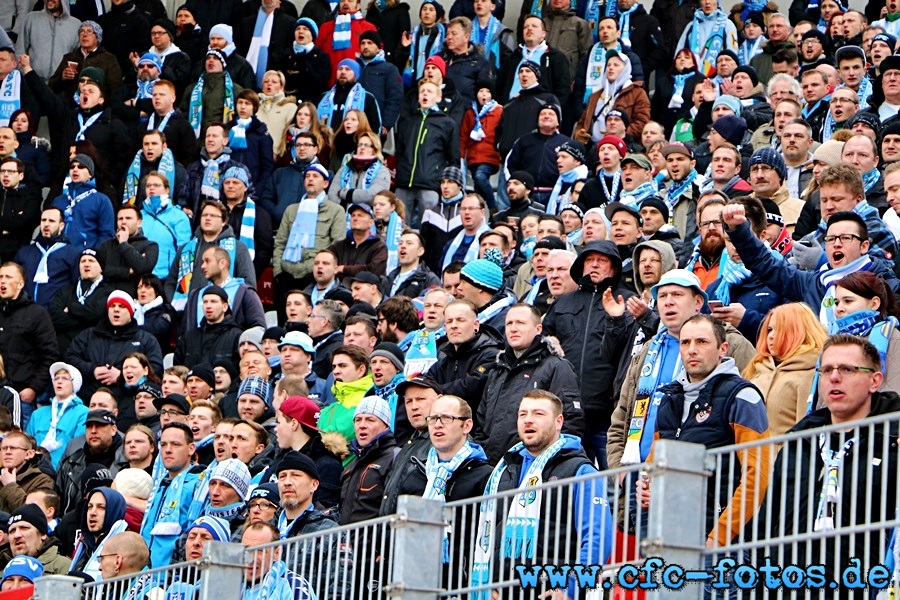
(584, 339)
(423, 131)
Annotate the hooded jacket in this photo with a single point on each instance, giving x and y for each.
(92, 220)
(461, 371)
(46, 39)
(54, 562)
(71, 424)
(115, 511)
(170, 228)
(578, 320)
(541, 366)
(28, 341)
(108, 345)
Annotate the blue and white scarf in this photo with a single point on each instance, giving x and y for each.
(522, 523)
(388, 393)
(532, 294)
(612, 192)
(652, 377)
(437, 474)
(211, 184)
(10, 96)
(133, 176)
(186, 259)
(83, 125)
(679, 187)
(303, 48)
(356, 100)
(558, 198)
(492, 310)
(92, 567)
(258, 53)
(634, 198)
(596, 68)
(707, 51)
(195, 106)
(392, 237)
(303, 230)
(532, 55)
(317, 295)
(730, 273)
(422, 353)
(368, 178)
(145, 89)
(748, 49)
(343, 30)
(870, 179)
(248, 225)
(477, 132)
(80, 295)
(237, 135)
(625, 24)
(151, 122)
(41, 275)
(489, 39)
(829, 277)
(677, 99)
(471, 253)
(830, 494)
(415, 67)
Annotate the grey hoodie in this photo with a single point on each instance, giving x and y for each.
(692, 390)
(666, 253)
(46, 39)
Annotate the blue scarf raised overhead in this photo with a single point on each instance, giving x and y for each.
(133, 177)
(708, 50)
(419, 53)
(343, 33)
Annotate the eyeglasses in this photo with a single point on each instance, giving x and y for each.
(315, 316)
(364, 145)
(761, 169)
(711, 223)
(843, 370)
(444, 419)
(11, 448)
(842, 101)
(262, 506)
(8, 171)
(811, 42)
(158, 32)
(102, 556)
(845, 238)
(304, 145)
(172, 413)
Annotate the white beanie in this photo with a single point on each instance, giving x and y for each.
(136, 483)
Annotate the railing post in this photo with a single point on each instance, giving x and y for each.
(677, 520)
(222, 574)
(418, 536)
(58, 587)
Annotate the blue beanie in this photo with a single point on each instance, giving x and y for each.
(352, 65)
(257, 386)
(485, 273)
(218, 528)
(23, 566)
(309, 24)
(239, 173)
(732, 102)
(223, 30)
(768, 156)
(150, 57)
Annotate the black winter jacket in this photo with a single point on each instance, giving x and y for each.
(467, 69)
(420, 280)
(462, 371)
(426, 144)
(578, 320)
(328, 494)
(306, 75)
(362, 482)
(28, 343)
(70, 316)
(391, 23)
(554, 72)
(209, 343)
(212, 12)
(20, 213)
(542, 367)
(107, 345)
(280, 43)
(68, 477)
(520, 116)
(125, 263)
(382, 80)
(125, 30)
(401, 479)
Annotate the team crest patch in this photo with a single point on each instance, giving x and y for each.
(703, 415)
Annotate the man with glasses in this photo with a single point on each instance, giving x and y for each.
(326, 323)
(778, 35)
(704, 261)
(842, 189)
(124, 553)
(286, 182)
(88, 53)
(767, 180)
(20, 474)
(786, 106)
(21, 206)
(843, 105)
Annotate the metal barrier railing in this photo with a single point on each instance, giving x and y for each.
(763, 498)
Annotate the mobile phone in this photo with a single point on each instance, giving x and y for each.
(715, 304)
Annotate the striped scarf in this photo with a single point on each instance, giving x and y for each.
(488, 38)
(343, 30)
(829, 277)
(237, 135)
(248, 224)
(477, 132)
(133, 177)
(195, 106)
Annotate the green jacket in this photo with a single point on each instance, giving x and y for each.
(330, 228)
(54, 563)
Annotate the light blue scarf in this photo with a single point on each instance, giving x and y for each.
(415, 67)
(237, 135)
(625, 24)
(829, 277)
(195, 106)
(186, 268)
(248, 226)
(133, 177)
(343, 30)
(303, 230)
(489, 39)
(532, 55)
(211, 184)
(356, 100)
(471, 253)
(558, 198)
(477, 132)
(438, 473)
(392, 239)
(708, 50)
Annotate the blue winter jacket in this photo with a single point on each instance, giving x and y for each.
(170, 228)
(92, 220)
(71, 424)
(62, 267)
(168, 515)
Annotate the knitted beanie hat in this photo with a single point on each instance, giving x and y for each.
(233, 472)
(485, 273)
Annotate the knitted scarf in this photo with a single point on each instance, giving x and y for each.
(731, 273)
(707, 50)
(830, 495)
(133, 176)
(613, 191)
(392, 239)
(679, 187)
(677, 99)
(82, 295)
(489, 38)
(237, 135)
(533, 55)
(303, 230)
(522, 523)
(258, 53)
(303, 48)
(388, 393)
(596, 68)
(438, 473)
(870, 179)
(625, 24)
(492, 310)
(477, 132)
(151, 122)
(141, 310)
(195, 106)
(532, 294)
(186, 268)
(750, 48)
(92, 567)
(558, 198)
(356, 100)
(343, 30)
(368, 178)
(421, 354)
(653, 376)
(248, 225)
(634, 198)
(415, 66)
(210, 185)
(145, 89)
(455, 243)
(829, 277)
(10, 96)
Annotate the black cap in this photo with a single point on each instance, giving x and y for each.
(366, 277)
(657, 203)
(205, 372)
(616, 207)
(215, 290)
(849, 52)
(814, 33)
(101, 416)
(341, 295)
(31, 514)
(93, 254)
(297, 461)
(550, 242)
(268, 491)
(150, 388)
(749, 71)
(420, 381)
(756, 18)
(274, 333)
(176, 400)
(524, 177)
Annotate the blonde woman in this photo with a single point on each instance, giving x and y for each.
(362, 175)
(276, 110)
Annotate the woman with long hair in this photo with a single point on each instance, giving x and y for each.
(363, 174)
(33, 150)
(307, 119)
(355, 124)
(390, 212)
(789, 343)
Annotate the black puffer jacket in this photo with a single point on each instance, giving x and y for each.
(209, 343)
(70, 316)
(68, 478)
(124, 263)
(462, 371)
(402, 479)
(20, 213)
(541, 366)
(27, 343)
(362, 482)
(328, 494)
(426, 144)
(108, 345)
(578, 320)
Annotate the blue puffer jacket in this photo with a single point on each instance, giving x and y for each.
(71, 424)
(170, 228)
(168, 515)
(92, 220)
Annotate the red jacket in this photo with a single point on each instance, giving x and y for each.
(483, 152)
(325, 40)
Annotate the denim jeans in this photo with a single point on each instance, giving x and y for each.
(502, 199)
(481, 179)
